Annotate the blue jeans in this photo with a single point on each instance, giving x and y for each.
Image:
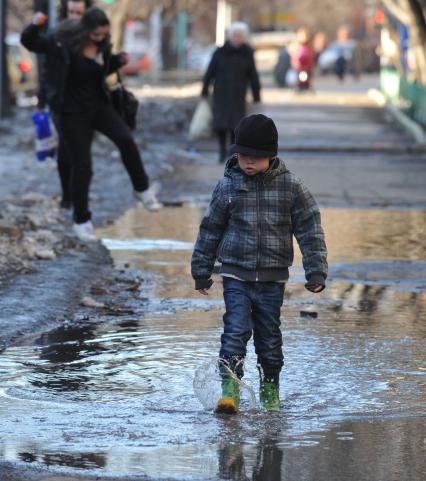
(253, 307)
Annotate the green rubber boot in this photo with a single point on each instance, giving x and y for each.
(230, 400)
(269, 394)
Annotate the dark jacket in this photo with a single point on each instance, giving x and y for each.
(57, 63)
(250, 224)
(231, 69)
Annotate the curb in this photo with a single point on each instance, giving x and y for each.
(410, 126)
(324, 149)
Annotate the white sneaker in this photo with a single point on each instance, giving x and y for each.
(149, 198)
(85, 231)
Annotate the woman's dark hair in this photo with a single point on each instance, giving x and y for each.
(75, 34)
(63, 11)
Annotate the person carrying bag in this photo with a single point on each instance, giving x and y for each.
(79, 59)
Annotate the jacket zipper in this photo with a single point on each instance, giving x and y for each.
(258, 228)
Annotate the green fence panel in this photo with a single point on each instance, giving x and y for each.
(415, 94)
(410, 96)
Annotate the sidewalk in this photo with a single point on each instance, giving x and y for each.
(348, 150)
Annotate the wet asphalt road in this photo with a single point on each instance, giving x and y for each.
(111, 396)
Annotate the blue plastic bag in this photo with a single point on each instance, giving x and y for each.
(45, 142)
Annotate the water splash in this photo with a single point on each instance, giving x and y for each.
(208, 385)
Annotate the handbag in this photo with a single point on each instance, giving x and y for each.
(125, 103)
(201, 123)
(45, 141)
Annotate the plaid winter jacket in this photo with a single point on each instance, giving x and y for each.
(250, 223)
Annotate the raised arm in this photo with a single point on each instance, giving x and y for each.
(32, 37)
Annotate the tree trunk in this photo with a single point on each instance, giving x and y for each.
(417, 37)
(155, 29)
(119, 14)
(411, 14)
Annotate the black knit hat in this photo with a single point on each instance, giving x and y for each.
(255, 135)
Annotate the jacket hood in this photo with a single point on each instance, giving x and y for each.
(232, 170)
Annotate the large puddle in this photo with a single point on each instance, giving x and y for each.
(117, 396)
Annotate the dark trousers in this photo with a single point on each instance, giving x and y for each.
(253, 308)
(77, 131)
(64, 162)
(222, 135)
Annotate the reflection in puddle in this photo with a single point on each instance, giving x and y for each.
(352, 235)
(364, 245)
(117, 396)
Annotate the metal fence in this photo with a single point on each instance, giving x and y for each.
(409, 96)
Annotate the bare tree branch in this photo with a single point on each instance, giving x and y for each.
(397, 11)
(417, 27)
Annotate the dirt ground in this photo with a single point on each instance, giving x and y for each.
(36, 235)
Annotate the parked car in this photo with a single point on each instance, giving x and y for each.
(22, 67)
(327, 59)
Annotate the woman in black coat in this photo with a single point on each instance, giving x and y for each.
(232, 68)
(78, 59)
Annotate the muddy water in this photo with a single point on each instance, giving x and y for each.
(116, 397)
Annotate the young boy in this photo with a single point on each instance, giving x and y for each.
(255, 210)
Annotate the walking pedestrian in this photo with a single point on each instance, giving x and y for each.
(340, 64)
(73, 9)
(282, 67)
(303, 59)
(231, 68)
(79, 59)
(256, 209)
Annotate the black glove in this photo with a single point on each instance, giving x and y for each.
(203, 284)
(315, 281)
